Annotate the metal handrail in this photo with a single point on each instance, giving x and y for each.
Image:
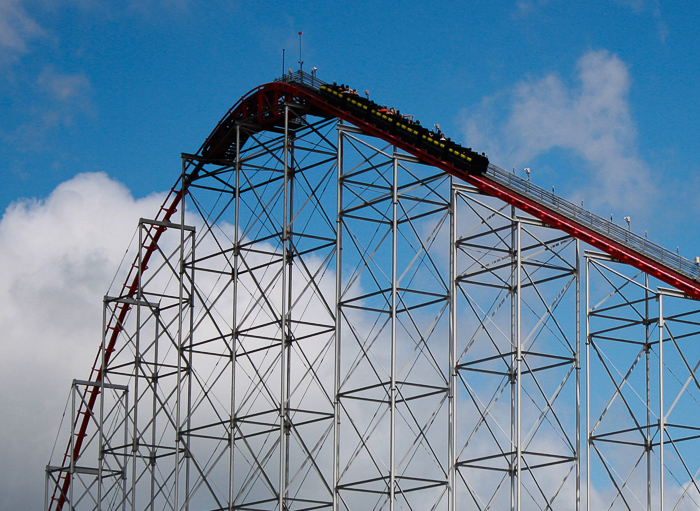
(567, 209)
(303, 78)
(600, 225)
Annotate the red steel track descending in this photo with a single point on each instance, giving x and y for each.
(264, 107)
(267, 102)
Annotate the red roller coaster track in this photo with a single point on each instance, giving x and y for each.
(264, 107)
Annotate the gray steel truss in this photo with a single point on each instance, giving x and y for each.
(516, 373)
(642, 358)
(331, 324)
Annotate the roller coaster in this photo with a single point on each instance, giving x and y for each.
(306, 90)
(381, 319)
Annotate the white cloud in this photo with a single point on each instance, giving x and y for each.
(527, 7)
(642, 7)
(68, 93)
(61, 100)
(17, 29)
(58, 255)
(635, 5)
(64, 86)
(591, 120)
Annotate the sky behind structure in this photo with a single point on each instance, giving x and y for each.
(99, 99)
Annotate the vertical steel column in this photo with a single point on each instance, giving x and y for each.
(154, 373)
(123, 464)
(283, 322)
(662, 408)
(394, 298)
(100, 424)
(179, 378)
(135, 412)
(452, 417)
(185, 329)
(578, 375)
(588, 385)
(649, 405)
(514, 377)
(288, 193)
(234, 315)
(519, 362)
(71, 489)
(135, 415)
(190, 330)
(337, 332)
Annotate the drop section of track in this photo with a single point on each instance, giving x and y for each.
(264, 107)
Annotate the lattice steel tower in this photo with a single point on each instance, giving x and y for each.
(333, 311)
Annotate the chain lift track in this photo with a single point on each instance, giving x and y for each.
(263, 108)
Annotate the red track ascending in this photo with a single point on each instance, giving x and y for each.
(264, 106)
(113, 329)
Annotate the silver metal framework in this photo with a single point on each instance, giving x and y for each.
(331, 324)
(642, 358)
(517, 359)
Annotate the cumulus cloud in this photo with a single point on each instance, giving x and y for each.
(58, 256)
(590, 119)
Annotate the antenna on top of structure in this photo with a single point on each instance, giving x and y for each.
(301, 62)
(282, 62)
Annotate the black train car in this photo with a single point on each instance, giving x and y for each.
(407, 130)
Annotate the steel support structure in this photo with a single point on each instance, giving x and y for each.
(517, 299)
(100, 477)
(392, 377)
(134, 440)
(260, 418)
(642, 358)
(331, 323)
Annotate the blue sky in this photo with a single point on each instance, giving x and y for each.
(124, 89)
(99, 99)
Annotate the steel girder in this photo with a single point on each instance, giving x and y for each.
(642, 358)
